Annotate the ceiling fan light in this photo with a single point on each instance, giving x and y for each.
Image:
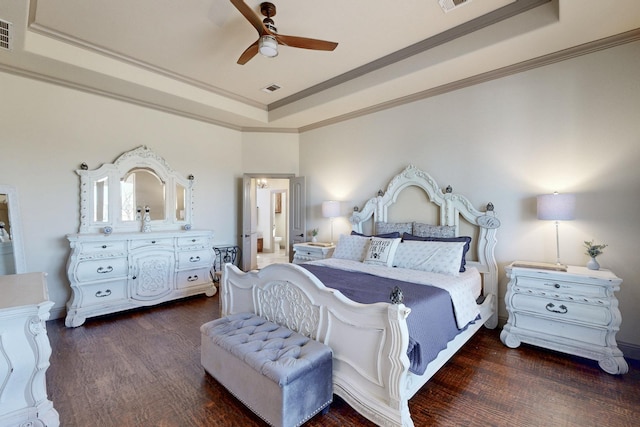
(268, 46)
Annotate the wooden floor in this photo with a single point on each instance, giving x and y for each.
(142, 368)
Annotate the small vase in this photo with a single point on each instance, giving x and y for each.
(593, 264)
(314, 239)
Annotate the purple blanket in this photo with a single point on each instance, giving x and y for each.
(431, 322)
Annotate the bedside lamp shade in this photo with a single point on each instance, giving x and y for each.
(331, 209)
(557, 207)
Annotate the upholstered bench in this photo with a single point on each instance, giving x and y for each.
(282, 376)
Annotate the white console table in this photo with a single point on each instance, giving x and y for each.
(24, 352)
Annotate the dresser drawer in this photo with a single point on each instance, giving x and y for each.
(552, 287)
(151, 242)
(567, 311)
(554, 328)
(188, 278)
(101, 269)
(103, 293)
(105, 249)
(194, 259)
(198, 241)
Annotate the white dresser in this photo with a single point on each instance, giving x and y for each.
(24, 352)
(120, 271)
(304, 252)
(575, 312)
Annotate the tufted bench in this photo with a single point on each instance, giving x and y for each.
(281, 375)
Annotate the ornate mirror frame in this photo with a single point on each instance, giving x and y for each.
(15, 228)
(111, 174)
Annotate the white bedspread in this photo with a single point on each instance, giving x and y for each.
(464, 289)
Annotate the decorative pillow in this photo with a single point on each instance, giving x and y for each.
(465, 249)
(391, 227)
(435, 257)
(351, 247)
(393, 235)
(381, 251)
(428, 230)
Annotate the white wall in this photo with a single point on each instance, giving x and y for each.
(571, 127)
(48, 131)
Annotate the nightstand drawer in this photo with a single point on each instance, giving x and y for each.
(566, 311)
(552, 286)
(569, 331)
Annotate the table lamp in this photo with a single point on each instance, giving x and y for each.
(331, 209)
(557, 207)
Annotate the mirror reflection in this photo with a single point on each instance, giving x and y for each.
(101, 200)
(181, 194)
(141, 187)
(7, 264)
(12, 259)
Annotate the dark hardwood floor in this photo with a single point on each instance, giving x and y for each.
(142, 368)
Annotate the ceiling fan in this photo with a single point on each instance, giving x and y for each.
(268, 40)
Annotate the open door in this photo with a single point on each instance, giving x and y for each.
(249, 224)
(297, 212)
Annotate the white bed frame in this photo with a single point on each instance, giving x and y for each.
(369, 341)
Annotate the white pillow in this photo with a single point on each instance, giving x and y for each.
(435, 257)
(351, 247)
(381, 251)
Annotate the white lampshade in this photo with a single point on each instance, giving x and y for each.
(556, 207)
(330, 209)
(268, 46)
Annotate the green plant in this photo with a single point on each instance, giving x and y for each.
(594, 250)
(314, 232)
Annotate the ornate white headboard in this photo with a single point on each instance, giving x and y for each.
(451, 207)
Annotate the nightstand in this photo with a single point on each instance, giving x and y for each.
(574, 312)
(304, 252)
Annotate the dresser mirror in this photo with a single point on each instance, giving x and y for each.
(116, 196)
(12, 259)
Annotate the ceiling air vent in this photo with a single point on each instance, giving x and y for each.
(271, 88)
(6, 35)
(449, 5)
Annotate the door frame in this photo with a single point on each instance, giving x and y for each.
(248, 253)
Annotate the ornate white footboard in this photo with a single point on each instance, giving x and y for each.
(369, 341)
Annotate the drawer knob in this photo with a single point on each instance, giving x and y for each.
(104, 246)
(552, 308)
(102, 270)
(153, 241)
(101, 294)
(194, 259)
(192, 278)
(556, 285)
(193, 240)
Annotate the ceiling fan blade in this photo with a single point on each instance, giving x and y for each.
(249, 53)
(305, 43)
(248, 13)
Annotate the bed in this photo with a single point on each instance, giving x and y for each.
(371, 341)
